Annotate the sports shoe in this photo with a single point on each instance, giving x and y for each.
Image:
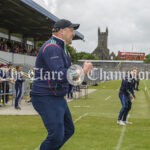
(120, 122)
(127, 122)
(18, 108)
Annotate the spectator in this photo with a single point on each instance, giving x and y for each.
(18, 86)
(5, 48)
(4, 83)
(1, 46)
(0, 84)
(70, 92)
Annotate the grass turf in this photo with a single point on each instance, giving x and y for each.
(96, 131)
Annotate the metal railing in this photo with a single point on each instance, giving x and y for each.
(7, 89)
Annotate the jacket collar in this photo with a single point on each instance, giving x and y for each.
(59, 41)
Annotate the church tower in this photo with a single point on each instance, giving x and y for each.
(102, 51)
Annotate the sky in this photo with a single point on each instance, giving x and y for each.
(128, 22)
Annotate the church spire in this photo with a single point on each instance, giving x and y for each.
(107, 30)
(99, 32)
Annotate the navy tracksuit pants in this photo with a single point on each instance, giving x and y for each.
(57, 119)
(18, 88)
(126, 106)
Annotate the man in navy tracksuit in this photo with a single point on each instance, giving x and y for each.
(126, 94)
(50, 87)
(18, 86)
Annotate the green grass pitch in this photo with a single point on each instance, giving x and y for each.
(95, 123)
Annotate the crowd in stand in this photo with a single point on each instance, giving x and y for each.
(16, 47)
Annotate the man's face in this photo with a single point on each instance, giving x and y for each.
(68, 34)
(134, 72)
(20, 69)
(10, 67)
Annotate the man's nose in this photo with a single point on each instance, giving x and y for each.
(73, 34)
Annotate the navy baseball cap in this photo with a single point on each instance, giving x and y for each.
(63, 23)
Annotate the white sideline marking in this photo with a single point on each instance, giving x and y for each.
(121, 137)
(38, 148)
(80, 117)
(107, 98)
(146, 89)
(81, 106)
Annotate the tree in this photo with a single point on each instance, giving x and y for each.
(116, 58)
(147, 58)
(87, 56)
(75, 56)
(39, 44)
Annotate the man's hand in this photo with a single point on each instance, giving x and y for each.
(87, 67)
(131, 96)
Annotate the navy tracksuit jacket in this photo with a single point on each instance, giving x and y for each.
(52, 57)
